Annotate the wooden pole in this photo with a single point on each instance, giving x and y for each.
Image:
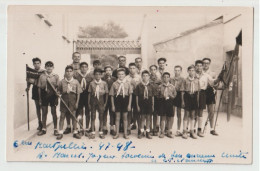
(28, 106)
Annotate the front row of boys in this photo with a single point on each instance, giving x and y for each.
(78, 91)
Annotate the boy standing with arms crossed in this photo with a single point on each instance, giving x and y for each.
(97, 90)
(70, 90)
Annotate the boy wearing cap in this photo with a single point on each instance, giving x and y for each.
(189, 88)
(167, 93)
(145, 103)
(134, 79)
(177, 81)
(155, 81)
(69, 89)
(109, 79)
(121, 99)
(97, 90)
(47, 97)
(121, 64)
(204, 81)
(35, 94)
(84, 81)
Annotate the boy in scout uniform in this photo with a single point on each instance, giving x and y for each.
(47, 97)
(70, 90)
(96, 101)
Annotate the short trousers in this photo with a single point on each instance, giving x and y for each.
(70, 100)
(121, 103)
(35, 93)
(177, 100)
(210, 96)
(145, 105)
(190, 101)
(202, 99)
(48, 99)
(165, 107)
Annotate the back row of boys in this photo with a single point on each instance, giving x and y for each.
(130, 95)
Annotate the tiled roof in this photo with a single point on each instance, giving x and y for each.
(108, 44)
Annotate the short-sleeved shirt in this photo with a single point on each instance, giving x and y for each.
(133, 80)
(177, 82)
(115, 86)
(139, 91)
(74, 87)
(79, 76)
(171, 90)
(205, 80)
(109, 80)
(42, 82)
(114, 74)
(186, 86)
(103, 88)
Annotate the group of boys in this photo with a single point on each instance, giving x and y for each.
(134, 98)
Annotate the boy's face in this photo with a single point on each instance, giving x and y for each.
(132, 69)
(153, 70)
(199, 67)
(84, 69)
(121, 75)
(206, 64)
(108, 71)
(97, 65)
(49, 69)
(177, 71)
(37, 65)
(191, 72)
(122, 62)
(138, 62)
(69, 73)
(98, 75)
(166, 78)
(161, 64)
(145, 77)
(76, 58)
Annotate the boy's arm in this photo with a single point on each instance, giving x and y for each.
(106, 90)
(40, 96)
(130, 102)
(112, 103)
(28, 86)
(106, 98)
(89, 106)
(137, 104)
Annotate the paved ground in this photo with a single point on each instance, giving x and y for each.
(229, 140)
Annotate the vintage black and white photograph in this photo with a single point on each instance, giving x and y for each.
(129, 84)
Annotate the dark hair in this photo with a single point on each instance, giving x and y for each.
(98, 70)
(178, 66)
(207, 59)
(120, 69)
(36, 59)
(198, 62)
(83, 63)
(138, 58)
(68, 67)
(121, 57)
(75, 53)
(131, 64)
(49, 63)
(153, 66)
(108, 66)
(161, 59)
(190, 67)
(166, 73)
(96, 62)
(145, 72)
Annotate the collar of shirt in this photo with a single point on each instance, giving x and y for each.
(82, 75)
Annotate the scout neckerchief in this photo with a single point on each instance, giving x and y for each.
(97, 91)
(83, 82)
(69, 84)
(192, 85)
(145, 89)
(121, 87)
(166, 90)
(48, 77)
